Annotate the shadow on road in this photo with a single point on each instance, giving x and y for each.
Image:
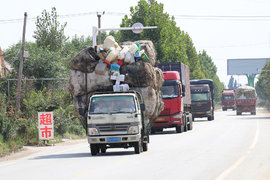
(119, 153)
(84, 155)
(256, 118)
(63, 156)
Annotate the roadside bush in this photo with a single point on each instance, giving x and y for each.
(19, 128)
(60, 102)
(12, 124)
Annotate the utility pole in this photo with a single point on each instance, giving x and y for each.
(99, 25)
(19, 78)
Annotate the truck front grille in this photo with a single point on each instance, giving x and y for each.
(227, 103)
(113, 127)
(201, 107)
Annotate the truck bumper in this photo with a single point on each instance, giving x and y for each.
(229, 106)
(167, 122)
(113, 139)
(202, 114)
(251, 108)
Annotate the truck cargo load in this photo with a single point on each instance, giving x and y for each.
(246, 99)
(94, 76)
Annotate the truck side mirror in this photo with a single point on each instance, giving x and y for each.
(142, 106)
(183, 90)
(85, 115)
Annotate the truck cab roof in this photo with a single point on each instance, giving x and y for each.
(171, 75)
(203, 81)
(112, 93)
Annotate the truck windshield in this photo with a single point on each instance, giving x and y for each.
(200, 96)
(169, 92)
(112, 104)
(228, 97)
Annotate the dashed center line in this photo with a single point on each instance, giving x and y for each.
(84, 172)
(243, 157)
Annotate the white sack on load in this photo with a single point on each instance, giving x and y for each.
(148, 48)
(160, 105)
(152, 100)
(141, 74)
(77, 85)
(159, 78)
(246, 92)
(85, 61)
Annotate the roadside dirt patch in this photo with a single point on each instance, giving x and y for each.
(29, 150)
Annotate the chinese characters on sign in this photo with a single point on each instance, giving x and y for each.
(45, 125)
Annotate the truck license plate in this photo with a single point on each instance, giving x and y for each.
(114, 139)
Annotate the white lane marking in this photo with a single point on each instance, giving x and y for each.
(243, 157)
(255, 140)
(83, 172)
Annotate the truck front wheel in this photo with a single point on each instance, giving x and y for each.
(180, 129)
(190, 125)
(145, 146)
(138, 147)
(103, 150)
(94, 149)
(185, 123)
(253, 113)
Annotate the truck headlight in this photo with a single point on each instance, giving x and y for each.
(93, 131)
(177, 116)
(133, 130)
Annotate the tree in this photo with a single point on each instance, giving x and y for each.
(210, 71)
(263, 85)
(235, 85)
(49, 33)
(231, 83)
(193, 59)
(172, 44)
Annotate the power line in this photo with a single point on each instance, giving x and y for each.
(228, 18)
(7, 21)
(177, 16)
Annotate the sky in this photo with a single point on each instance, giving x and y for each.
(226, 29)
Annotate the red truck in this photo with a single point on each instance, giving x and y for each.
(246, 99)
(176, 98)
(228, 99)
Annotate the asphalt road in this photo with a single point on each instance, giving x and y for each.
(230, 147)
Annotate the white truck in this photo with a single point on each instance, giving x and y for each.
(116, 120)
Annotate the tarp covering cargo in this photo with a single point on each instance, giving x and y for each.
(92, 71)
(246, 92)
(141, 74)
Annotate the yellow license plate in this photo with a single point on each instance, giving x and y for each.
(160, 119)
(199, 112)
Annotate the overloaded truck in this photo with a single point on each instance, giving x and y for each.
(117, 96)
(246, 99)
(202, 98)
(228, 99)
(176, 98)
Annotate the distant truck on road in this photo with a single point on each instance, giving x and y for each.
(202, 98)
(176, 98)
(228, 99)
(246, 99)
